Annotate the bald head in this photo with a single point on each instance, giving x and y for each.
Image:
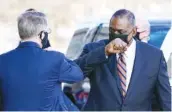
(122, 23)
(124, 14)
(31, 9)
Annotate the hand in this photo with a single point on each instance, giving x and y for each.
(115, 46)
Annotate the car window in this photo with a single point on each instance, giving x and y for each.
(157, 36)
(76, 43)
(159, 30)
(103, 33)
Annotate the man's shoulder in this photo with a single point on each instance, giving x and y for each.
(8, 53)
(53, 54)
(4, 57)
(94, 45)
(148, 48)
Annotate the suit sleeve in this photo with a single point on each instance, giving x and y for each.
(89, 59)
(163, 88)
(70, 72)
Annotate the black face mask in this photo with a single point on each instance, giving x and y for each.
(45, 42)
(123, 37)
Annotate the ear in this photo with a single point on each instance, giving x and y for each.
(134, 31)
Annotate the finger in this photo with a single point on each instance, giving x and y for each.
(124, 44)
(116, 51)
(125, 48)
(120, 45)
(117, 44)
(116, 47)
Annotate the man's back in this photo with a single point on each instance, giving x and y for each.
(31, 78)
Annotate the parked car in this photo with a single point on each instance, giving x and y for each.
(159, 29)
(82, 36)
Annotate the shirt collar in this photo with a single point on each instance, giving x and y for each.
(131, 49)
(28, 44)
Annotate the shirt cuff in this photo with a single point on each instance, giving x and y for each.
(106, 56)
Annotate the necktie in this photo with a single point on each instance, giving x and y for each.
(121, 70)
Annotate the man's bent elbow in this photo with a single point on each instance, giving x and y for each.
(78, 76)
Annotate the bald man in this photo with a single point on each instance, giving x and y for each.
(143, 30)
(124, 74)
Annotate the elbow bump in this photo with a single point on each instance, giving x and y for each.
(79, 76)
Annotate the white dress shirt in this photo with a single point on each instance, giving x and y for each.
(129, 56)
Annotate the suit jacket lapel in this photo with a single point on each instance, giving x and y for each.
(137, 68)
(112, 65)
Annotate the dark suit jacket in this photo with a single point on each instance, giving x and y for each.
(149, 75)
(31, 79)
(1, 98)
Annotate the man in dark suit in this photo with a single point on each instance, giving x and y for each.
(30, 76)
(124, 73)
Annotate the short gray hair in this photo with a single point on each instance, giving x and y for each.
(31, 23)
(125, 13)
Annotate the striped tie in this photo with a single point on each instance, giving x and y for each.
(121, 70)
